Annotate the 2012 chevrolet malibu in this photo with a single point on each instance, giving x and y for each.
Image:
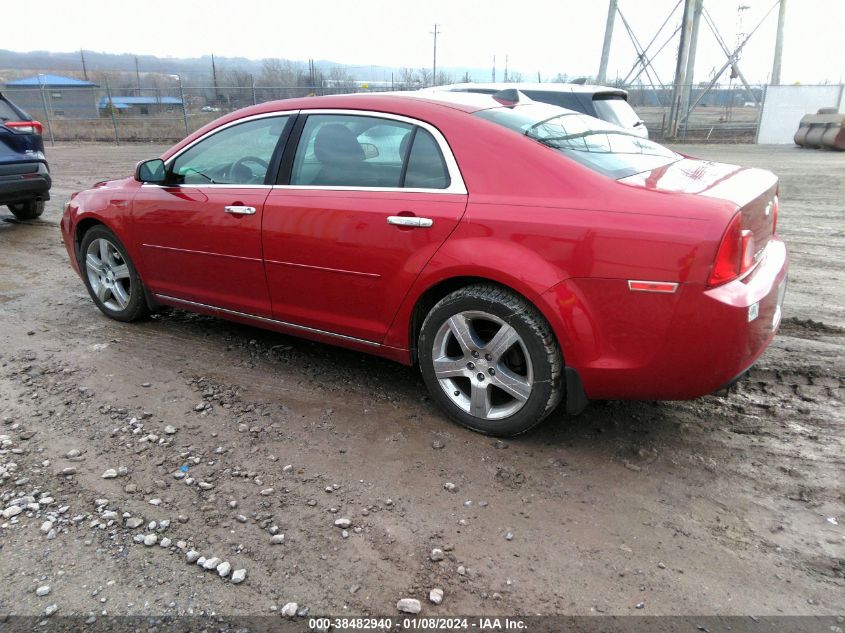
(521, 254)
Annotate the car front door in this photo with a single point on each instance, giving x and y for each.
(366, 200)
(200, 237)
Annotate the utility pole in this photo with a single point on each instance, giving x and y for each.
(778, 44)
(434, 63)
(84, 68)
(214, 76)
(138, 76)
(506, 68)
(681, 67)
(608, 37)
(689, 75)
(494, 69)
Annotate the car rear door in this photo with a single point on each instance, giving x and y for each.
(200, 238)
(365, 201)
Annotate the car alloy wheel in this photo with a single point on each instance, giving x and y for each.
(490, 360)
(108, 274)
(482, 365)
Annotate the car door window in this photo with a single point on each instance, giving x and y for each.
(237, 155)
(350, 151)
(426, 167)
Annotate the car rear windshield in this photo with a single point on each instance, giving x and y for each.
(615, 109)
(592, 142)
(7, 113)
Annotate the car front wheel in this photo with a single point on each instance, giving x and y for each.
(490, 360)
(110, 276)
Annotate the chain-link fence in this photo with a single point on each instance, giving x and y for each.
(102, 113)
(719, 113)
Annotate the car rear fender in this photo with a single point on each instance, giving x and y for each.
(471, 259)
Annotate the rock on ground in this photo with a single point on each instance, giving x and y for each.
(409, 605)
(238, 576)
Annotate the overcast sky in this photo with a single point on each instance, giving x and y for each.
(537, 36)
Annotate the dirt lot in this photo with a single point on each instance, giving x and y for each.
(727, 505)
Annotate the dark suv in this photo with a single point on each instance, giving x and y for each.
(24, 174)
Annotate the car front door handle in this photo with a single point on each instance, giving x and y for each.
(412, 221)
(239, 210)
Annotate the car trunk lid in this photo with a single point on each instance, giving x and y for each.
(751, 190)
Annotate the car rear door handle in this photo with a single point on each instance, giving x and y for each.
(239, 210)
(406, 220)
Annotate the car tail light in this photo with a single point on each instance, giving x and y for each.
(25, 127)
(735, 255)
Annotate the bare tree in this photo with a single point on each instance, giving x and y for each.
(423, 77)
(407, 79)
(236, 87)
(443, 78)
(340, 81)
(515, 77)
(560, 78)
(279, 79)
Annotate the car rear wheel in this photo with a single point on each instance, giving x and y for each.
(490, 360)
(110, 276)
(28, 210)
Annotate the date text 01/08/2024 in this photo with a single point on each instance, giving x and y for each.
(425, 624)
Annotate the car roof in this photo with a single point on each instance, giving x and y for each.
(546, 87)
(387, 101)
(466, 101)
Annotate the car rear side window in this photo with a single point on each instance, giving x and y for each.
(561, 99)
(344, 150)
(348, 150)
(426, 167)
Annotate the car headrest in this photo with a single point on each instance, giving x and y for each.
(336, 144)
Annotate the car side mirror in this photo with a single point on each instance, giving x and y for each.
(152, 171)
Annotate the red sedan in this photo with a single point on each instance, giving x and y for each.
(519, 253)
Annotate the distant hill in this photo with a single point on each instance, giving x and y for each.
(194, 71)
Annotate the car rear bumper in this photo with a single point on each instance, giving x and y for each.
(20, 182)
(672, 346)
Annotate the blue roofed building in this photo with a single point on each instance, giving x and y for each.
(139, 105)
(64, 97)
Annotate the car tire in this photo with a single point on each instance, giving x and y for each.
(490, 360)
(110, 277)
(28, 210)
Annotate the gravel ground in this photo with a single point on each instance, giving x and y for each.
(329, 477)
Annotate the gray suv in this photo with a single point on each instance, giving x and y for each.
(608, 104)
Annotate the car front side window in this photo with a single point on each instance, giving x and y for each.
(236, 155)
